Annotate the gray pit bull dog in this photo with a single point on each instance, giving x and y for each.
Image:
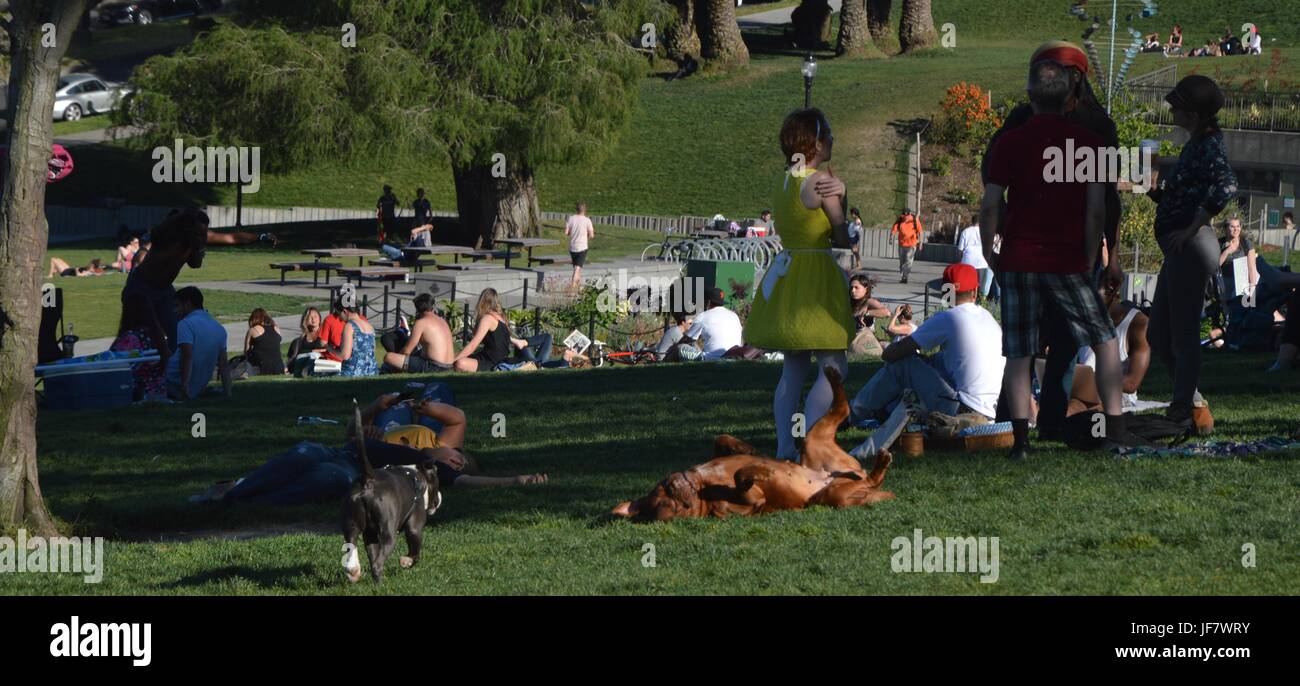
(383, 502)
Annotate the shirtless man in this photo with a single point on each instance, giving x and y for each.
(431, 334)
(1134, 356)
(182, 238)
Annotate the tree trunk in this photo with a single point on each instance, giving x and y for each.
(721, 44)
(23, 234)
(878, 24)
(916, 31)
(681, 40)
(855, 38)
(493, 207)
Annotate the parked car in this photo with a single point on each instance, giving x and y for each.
(82, 94)
(149, 11)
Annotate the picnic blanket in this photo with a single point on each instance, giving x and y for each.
(1223, 449)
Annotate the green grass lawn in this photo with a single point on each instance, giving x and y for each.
(1067, 522)
(86, 123)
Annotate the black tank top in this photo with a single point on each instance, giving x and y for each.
(264, 353)
(496, 345)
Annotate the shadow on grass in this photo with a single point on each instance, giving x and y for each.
(265, 578)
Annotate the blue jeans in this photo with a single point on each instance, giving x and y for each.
(542, 342)
(885, 389)
(307, 473)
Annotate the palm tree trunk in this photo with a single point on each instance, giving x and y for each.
(878, 24)
(916, 31)
(681, 39)
(855, 37)
(34, 70)
(721, 44)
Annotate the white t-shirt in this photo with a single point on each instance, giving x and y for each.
(578, 228)
(970, 355)
(972, 249)
(208, 337)
(717, 330)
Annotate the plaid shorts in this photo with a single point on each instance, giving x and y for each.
(1071, 296)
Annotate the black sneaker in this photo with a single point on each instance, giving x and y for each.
(903, 280)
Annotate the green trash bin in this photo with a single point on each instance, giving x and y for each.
(736, 279)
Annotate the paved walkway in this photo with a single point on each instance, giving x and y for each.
(774, 17)
(72, 140)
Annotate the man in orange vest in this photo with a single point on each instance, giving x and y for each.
(908, 232)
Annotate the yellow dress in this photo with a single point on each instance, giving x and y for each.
(802, 302)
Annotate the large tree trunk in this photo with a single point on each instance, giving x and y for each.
(916, 31)
(810, 23)
(721, 44)
(34, 71)
(493, 207)
(855, 38)
(878, 24)
(681, 40)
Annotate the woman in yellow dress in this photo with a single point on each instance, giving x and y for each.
(802, 304)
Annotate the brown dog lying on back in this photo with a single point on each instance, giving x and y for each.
(739, 482)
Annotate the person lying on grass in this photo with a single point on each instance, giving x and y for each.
(310, 472)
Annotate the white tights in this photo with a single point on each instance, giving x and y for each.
(786, 402)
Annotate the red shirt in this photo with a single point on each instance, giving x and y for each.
(1044, 226)
(331, 331)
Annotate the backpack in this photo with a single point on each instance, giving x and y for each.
(1077, 432)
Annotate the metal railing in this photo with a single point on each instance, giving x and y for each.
(758, 251)
(1242, 110)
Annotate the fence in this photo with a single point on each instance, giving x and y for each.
(1243, 110)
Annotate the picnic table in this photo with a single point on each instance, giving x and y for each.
(712, 233)
(527, 244)
(455, 250)
(360, 253)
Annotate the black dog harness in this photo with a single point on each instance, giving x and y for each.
(416, 486)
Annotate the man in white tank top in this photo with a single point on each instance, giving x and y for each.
(1134, 355)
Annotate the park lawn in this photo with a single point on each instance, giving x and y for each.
(1067, 522)
(87, 123)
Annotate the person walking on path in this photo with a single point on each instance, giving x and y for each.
(908, 232)
(422, 209)
(386, 208)
(579, 229)
(802, 305)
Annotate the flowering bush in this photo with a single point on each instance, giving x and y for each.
(965, 115)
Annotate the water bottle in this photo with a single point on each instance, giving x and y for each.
(307, 421)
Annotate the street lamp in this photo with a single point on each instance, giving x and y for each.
(809, 70)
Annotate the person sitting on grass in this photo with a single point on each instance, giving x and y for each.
(125, 254)
(311, 472)
(713, 332)
(428, 348)
(1289, 350)
(492, 333)
(310, 340)
(865, 311)
(1134, 358)
(357, 349)
(200, 349)
(262, 344)
(672, 334)
(900, 324)
(59, 267)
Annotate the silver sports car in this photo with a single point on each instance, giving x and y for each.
(82, 94)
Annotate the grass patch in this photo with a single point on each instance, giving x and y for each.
(1068, 522)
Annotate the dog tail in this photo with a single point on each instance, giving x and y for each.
(367, 472)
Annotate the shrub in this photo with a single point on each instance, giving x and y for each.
(965, 115)
(941, 165)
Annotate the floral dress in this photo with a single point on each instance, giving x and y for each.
(150, 381)
(362, 362)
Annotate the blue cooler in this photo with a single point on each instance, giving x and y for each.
(89, 389)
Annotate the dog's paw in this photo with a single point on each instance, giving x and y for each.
(354, 574)
(405, 561)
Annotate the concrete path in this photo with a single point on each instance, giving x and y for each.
(774, 17)
(72, 140)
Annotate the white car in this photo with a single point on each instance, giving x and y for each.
(82, 94)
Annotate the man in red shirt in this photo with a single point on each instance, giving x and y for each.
(907, 230)
(1051, 236)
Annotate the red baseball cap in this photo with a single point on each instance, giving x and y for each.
(962, 276)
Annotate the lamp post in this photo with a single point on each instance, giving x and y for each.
(809, 70)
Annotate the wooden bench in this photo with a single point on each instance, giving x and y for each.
(418, 264)
(491, 255)
(547, 259)
(467, 266)
(313, 267)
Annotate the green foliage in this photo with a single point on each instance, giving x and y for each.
(592, 304)
(538, 81)
(941, 165)
(1137, 230)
